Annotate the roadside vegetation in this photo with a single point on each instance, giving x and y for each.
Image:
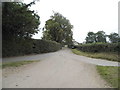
(110, 74)
(96, 46)
(17, 32)
(17, 64)
(58, 28)
(101, 55)
(101, 36)
(31, 46)
(99, 47)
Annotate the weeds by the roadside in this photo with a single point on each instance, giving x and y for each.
(102, 55)
(17, 64)
(110, 74)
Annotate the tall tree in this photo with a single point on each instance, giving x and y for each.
(18, 21)
(100, 36)
(114, 37)
(91, 37)
(58, 29)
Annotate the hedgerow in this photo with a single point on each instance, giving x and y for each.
(24, 47)
(44, 46)
(99, 47)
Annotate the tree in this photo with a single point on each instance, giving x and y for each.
(114, 37)
(18, 22)
(46, 35)
(100, 36)
(58, 29)
(91, 37)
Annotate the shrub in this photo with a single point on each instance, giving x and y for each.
(23, 47)
(44, 46)
(99, 47)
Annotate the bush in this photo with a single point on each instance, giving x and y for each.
(99, 47)
(44, 46)
(24, 47)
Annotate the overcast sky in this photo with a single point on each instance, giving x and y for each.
(84, 15)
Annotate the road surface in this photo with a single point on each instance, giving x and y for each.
(64, 53)
(61, 69)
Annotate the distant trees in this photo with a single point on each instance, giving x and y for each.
(114, 38)
(18, 21)
(58, 29)
(92, 37)
(100, 36)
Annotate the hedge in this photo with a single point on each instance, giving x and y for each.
(44, 46)
(24, 47)
(99, 47)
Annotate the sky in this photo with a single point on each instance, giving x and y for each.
(84, 15)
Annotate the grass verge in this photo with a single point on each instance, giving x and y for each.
(110, 74)
(17, 64)
(103, 55)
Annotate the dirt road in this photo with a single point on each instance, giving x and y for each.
(63, 69)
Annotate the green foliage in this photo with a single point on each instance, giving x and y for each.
(110, 74)
(20, 47)
(99, 47)
(29, 46)
(58, 29)
(114, 38)
(18, 21)
(101, 36)
(44, 46)
(92, 37)
(101, 55)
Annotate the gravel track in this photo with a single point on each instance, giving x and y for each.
(61, 69)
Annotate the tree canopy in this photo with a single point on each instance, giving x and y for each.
(58, 29)
(18, 21)
(100, 36)
(114, 38)
(92, 37)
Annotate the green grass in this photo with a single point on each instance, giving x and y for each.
(17, 64)
(103, 55)
(110, 74)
